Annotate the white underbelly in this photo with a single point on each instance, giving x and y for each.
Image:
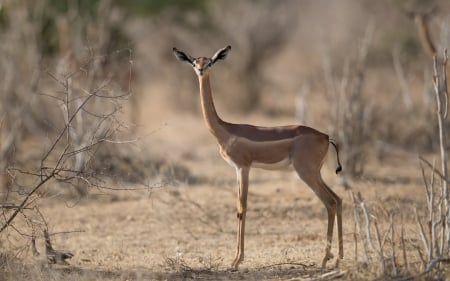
(281, 165)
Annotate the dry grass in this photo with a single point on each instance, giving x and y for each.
(189, 231)
(167, 207)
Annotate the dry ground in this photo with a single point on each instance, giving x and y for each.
(184, 231)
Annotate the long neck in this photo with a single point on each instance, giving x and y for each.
(212, 120)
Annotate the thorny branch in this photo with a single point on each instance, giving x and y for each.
(24, 201)
(74, 104)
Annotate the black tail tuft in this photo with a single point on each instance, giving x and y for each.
(339, 168)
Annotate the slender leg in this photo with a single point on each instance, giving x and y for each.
(338, 203)
(334, 208)
(309, 172)
(339, 224)
(331, 210)
(242, 175)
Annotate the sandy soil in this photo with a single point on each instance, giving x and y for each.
(184, 231)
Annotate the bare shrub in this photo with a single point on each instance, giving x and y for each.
(383, 247)
(28, 30)
(351, 112)
(436, 233)
(379, 248)
(54, 119)
(382, 241)
(70, 148)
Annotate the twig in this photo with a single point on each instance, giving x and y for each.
(362, 204)
(444, 83)
(427, 270)
(329, 276)
(287, 263)
(380, 248)
(393, 255)
(65, 129)
(12, 206)
(402, 239)
(429, 191)
(425, 242)
(358, 229)
(442, 92)
(444, 178)
(355, 236)
(24, 201)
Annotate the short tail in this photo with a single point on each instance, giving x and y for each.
(339, 167)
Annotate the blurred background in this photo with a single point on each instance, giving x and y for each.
(359, 70)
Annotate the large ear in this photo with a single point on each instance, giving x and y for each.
(183, 56)
(221, 54)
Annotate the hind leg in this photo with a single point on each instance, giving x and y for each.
(337, 208)
(308, 155)
(333, 205)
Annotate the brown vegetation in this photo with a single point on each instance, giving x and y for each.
(103, 146)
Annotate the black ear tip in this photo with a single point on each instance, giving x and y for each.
(174, 49)
(229, 47)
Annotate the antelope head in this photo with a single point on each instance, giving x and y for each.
(201, 65)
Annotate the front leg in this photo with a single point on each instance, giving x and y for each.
(242, 177)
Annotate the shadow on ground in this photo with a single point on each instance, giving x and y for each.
(273, 272)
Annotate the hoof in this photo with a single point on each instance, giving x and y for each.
(236, 262)
(327, 257)
(232, 269)
(336, 265)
